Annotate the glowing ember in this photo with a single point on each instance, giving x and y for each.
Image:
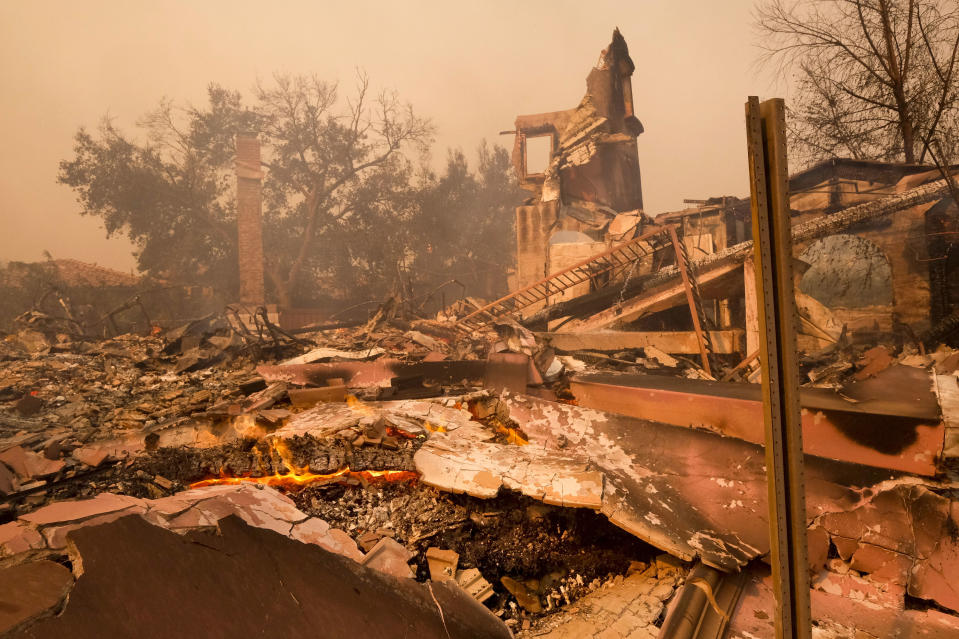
(296, 480)
(396, 432)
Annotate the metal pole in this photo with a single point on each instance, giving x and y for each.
(778, 318)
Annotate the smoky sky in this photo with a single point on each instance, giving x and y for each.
(470, 67)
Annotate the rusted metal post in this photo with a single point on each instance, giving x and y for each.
(752, 309)
(778, 318)
(683, 266)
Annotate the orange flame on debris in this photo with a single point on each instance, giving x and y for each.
(300, 476)
(360, 406)
(437, 428)
(513, 435)
(296, 480)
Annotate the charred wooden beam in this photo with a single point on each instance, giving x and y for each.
(724, 342)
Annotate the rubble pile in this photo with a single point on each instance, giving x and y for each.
(583, 457)
(167, 416)
(436, 474)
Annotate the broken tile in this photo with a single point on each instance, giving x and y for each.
(17, 537)
(845, 546)
(63, 512)
(316, 531)
(28, 464)
(390, 557)
(92, 456)
(258, 506)
(41, 587)
(471, 580)
(367, 540)
(817, 541)
(882, 564)
(934, 576)
(524, 596)
(442, 563)
(163, 482)
(56, 536)
(8, 481)
(854, 587)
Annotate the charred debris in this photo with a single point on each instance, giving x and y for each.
(580, 458)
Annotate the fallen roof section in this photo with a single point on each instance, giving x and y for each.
(225, 585)
(889, 421)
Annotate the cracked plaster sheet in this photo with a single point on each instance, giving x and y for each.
(460, 464)
(689, 492)
(902, 533)
(414, 417)
(260, 507)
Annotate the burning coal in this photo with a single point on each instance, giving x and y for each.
(298, 480)
(299, 476)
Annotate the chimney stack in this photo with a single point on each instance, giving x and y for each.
(249, 220)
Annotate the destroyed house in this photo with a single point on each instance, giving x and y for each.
(582, 166)
(891, 272)
(585, 457)
(894, 271)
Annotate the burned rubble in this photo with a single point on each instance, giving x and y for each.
(347, 463)
(583, 457)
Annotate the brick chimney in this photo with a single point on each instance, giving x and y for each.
(249, 219)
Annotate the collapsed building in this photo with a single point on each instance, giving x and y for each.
(590, 176)
(581, 458)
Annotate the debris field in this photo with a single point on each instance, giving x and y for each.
(583, 457)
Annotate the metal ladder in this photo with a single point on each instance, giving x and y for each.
(618, 258)
(700, 323)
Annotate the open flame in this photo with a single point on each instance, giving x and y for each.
(300, 476)
(295, 480)
(360, 406)
(434, 428)
(514, 436)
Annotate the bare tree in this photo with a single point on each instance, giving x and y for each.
(327, 163)
(875, 79)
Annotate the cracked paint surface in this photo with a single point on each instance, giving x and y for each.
(698, 494)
